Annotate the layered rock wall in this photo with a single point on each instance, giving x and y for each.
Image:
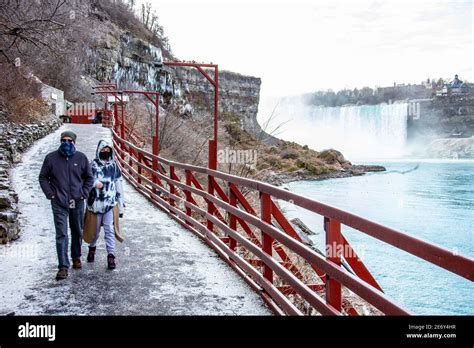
(15, 139)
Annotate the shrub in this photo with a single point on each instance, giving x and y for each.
(21, 95)
(331, 156)
(289, 154)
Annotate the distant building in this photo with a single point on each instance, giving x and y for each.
(54, 98)
(455, 88)
(456, 82)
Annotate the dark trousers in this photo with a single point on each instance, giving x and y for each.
(76, 223)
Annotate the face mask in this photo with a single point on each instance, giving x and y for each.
(105, 156)
(67, 149)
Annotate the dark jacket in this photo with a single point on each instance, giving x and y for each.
(66, 178)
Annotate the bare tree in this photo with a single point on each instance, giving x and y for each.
(25, 24)
(149, 18)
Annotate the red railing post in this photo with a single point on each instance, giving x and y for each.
(334, 245)
(122, 123)
(188, 193)
(267, 241)
(157, 121)
(117, 122)
(232, 218)
(210, 208)
(154, 148)
(139, 169)
(172, 188)
(130, 162)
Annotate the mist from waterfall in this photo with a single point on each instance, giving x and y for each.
(359, 132)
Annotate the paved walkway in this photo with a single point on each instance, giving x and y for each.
(162, 268)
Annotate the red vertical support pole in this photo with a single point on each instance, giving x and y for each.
(116, 119)
(267, 241)
(213, 147)
(154, 148)
(119, 123)
(210, 207)
(139, 168)
(334, 247)
(216, 107)
(210, 185)
(232, 218)
(130, 162)
(213, 143)
(188, 193)
(157, 122)
(155, 142)
(122, 131)
(172, 188)
(122, 122)
(130, 150)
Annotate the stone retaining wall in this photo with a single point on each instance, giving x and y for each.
(15, 139)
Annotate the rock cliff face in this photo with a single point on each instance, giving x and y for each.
(118, 56)
(444, 128)
(444, 118)
(238, 95)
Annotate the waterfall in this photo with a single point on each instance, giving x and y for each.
(366, 131)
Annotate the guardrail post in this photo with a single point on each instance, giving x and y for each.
(232, 218)
(122, 122)
(334, 247)
(118, 127)
(154, 149)
(188, 193)
(130, 162)
(267, 241)
(139, 168)
(172, 188)
(210, 209)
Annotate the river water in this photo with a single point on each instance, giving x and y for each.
(430, 199)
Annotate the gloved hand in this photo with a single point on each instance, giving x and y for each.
(121, 215)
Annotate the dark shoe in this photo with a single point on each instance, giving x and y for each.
(76, 263)
(62, 274)
(111, 261)
(91, 254)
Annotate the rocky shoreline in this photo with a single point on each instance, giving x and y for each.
(280, 178)
(15, 139)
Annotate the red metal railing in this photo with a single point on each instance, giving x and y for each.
(261, 244)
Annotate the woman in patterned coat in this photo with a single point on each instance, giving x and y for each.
(105, 200)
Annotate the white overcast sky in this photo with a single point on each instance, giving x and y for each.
(298, 47)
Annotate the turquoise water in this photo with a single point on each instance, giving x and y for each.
(432, 200)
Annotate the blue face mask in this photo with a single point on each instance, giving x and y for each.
(67, 149)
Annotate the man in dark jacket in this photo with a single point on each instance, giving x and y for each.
(66, 179)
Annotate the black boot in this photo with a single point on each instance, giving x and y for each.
(111, 261)
(91, 254)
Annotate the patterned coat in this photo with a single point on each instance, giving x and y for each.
(102, 200)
